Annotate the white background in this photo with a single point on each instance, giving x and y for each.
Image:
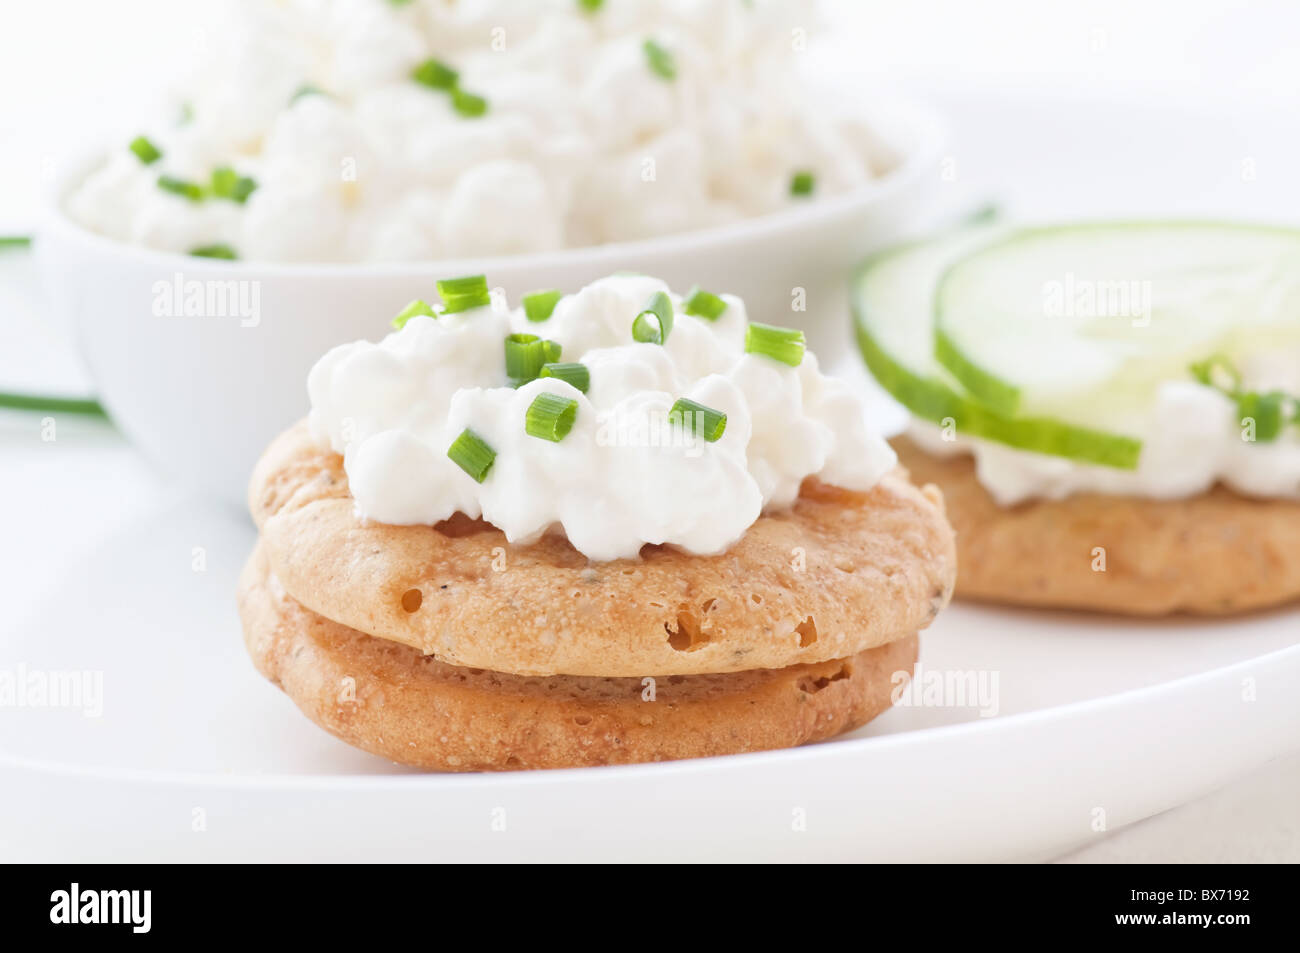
(74, 71)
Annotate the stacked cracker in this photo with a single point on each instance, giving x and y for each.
(446, 647)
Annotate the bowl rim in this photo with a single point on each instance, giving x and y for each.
(926, 127)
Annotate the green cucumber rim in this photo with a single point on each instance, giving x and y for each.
(987, 388)
(932, 399)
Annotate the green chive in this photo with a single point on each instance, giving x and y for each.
(462, 294)
(145, 150)
(659, 59)
(223, 182)
(54, 405)
(590, 6)
(469, 284)
(15, 241)
(180, 187)
(707, 422)
(801, 183)
(704, 304)
(185, 114)
(655, 322)
(550, 417)
(471, 453)
(417, 306)
(781, 344)
(468, 104)
(525, 355)
(539, 305)
(575, 375)
(452, 304)
(435, 74)
(1217, 372)
(224, 252)
(306, 89)
(1267, 412)
(229, 184)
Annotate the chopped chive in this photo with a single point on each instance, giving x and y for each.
(704, 304)
(468, 284)
(435, 74)
(188, 190)
(659, 59)
(576, 375)
(525, 355)
(223, 181)
(457, 303)
(539, 305)
(229, 184)
(707, 422)
(655, 322)
(781, 344)
(306, 89)
(1266, 410)
(215, 251)
(15, 241)
(418, 306)
(145, 150)
(468, 104)
(472, 454)
(802, 182)
(1217, 372)
(185, 115)
(462, 294)
(550, 417)
(591, 6)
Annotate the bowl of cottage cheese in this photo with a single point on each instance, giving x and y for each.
(339, 154)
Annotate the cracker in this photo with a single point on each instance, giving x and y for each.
(392, 701)
(1212, 554)
(837, 574)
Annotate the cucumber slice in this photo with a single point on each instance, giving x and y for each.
(892, 306)
(1045, 320)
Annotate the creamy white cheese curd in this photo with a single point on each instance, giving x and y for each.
(623, 476)
(582, 142)
(1192, 438)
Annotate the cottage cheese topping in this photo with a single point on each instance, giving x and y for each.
(582, 140)
(1192, 439)
(624, 476)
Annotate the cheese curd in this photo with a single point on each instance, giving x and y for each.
(582, 141)
(625, 475)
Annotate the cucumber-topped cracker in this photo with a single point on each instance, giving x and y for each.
(1054, 339)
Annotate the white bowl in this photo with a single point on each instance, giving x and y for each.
(201, 396)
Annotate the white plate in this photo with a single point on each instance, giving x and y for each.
(1100, 722)
(1128, 718)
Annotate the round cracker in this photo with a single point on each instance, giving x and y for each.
(1211, 554)
(838, 573)
(392, 701)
